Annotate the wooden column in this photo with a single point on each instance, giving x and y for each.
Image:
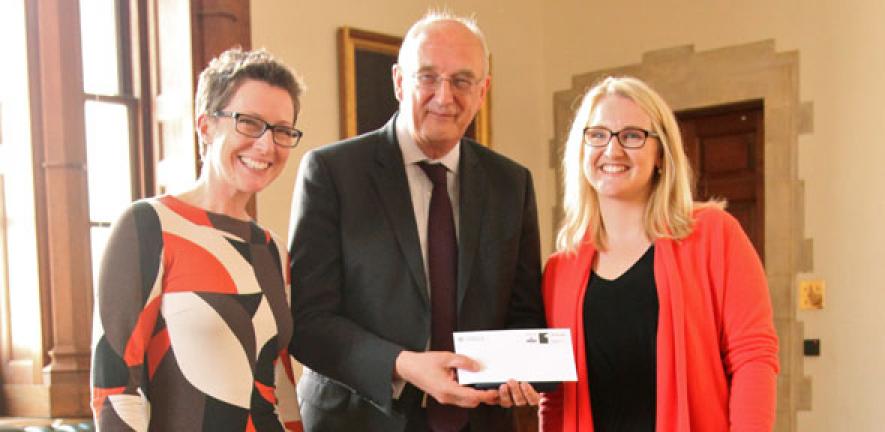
(63, 218)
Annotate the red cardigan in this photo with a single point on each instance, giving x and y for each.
(717, 358)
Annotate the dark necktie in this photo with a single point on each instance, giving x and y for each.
(442, 263)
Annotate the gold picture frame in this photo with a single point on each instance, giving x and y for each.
(365, 59)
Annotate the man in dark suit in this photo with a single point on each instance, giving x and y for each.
(371, 232)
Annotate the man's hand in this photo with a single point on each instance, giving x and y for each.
(514, 393)
(434, 373)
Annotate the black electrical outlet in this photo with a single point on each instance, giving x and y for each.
(811, 347)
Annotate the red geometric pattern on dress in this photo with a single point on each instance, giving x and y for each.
(141, 334)
(287, 364)
(294, 426)
(204, 269)
(267, 237)
(267, 392)
(99, 395)
(187, 211)
(249, 426)
(157, 349)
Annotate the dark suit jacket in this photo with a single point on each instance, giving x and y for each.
(358, 286)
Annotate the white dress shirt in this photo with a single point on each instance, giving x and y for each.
(421, 189)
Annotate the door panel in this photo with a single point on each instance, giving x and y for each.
(729, 153)
(725, 148)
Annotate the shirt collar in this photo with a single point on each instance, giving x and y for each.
(412, 154)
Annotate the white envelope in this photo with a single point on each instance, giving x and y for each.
(530, 355)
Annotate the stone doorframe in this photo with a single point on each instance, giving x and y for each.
(689, 80)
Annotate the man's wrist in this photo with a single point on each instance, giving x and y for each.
(400, 365)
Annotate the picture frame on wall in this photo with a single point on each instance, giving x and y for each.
(365, 59)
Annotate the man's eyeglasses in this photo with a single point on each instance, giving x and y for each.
(254, 127)
(631, 138)
(429, 81)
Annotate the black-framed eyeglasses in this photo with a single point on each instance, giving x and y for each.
(430, 81)
(254, 127)
(631, 138)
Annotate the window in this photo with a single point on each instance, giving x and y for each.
(73, 153)
(111, 114)
(18, 243)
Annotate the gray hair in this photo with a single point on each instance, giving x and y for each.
(434, 16)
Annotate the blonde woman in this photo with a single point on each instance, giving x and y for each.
(666, 298)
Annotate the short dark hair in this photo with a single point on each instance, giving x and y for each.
(225, 73)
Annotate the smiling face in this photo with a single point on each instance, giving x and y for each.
(236, 163)
(616, 173)
(438, 117)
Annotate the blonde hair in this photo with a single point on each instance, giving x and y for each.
(668, 213)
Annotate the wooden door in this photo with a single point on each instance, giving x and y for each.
(725, 147)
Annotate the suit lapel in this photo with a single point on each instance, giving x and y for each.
(392, 186)
(473, 190)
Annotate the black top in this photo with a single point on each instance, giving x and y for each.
(620, 327)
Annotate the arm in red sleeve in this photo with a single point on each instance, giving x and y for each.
(749, 343)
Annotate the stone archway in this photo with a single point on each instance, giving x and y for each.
(690, 80)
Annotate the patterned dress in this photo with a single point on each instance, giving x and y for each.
(192, 324)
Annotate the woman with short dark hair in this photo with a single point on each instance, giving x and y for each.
(192, 321)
